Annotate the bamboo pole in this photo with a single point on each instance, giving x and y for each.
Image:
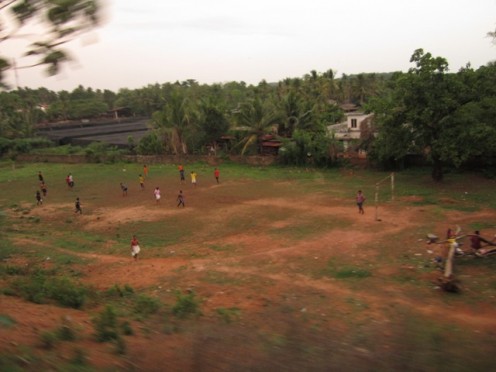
(392, 186)
(376, 198)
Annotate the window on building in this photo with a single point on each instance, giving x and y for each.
(353, 123)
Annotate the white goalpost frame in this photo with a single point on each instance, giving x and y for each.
(391, 178)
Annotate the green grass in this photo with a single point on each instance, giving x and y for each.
(222, 247)
(6, 321)
(228, 314)
(309, 227)
(340, 270)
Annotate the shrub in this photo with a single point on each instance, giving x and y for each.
(79, 358)
(14, 270)
(66, 331)
(146, 306)
(127, 329)
(186, 305)
(31, 289)
(105, 325)
(150, 145)
(102, 152)
(117, 291)
(120, 345)
(66, 293)
(228, 314)
(39, 288)
(48, 339)
(6, 321)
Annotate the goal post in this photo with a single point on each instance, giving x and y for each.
(389, 178)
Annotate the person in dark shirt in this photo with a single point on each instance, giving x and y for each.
(78, 206)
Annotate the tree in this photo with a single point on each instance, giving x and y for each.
(63, 21)
(173, 122)
(19, 113)
(442, 116)
(422, 99)
(212, 120)
(256, 118)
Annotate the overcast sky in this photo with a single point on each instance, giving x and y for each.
(215, 41)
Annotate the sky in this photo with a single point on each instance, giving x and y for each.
(217, 41)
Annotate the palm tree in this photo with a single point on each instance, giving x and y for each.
(257, 118)
(294, 113)
(173, 121)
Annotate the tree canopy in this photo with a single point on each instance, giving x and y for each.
(446, 117)
(62, 21)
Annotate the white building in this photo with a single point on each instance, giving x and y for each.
(357, 126)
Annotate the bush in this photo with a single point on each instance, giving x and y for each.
(39, 288)
(127, 329)
(106, 325)
(117, 291)
(98, 152)
(66, 331)
(228, 314)
(66, 293)
(48, 339)
(22, 145)
(79, 358)
(186, 305)
(146, 306)
(32, 288)
(120, 345)
(150, 145)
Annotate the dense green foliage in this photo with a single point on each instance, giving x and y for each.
(448, 118)
(445, 118)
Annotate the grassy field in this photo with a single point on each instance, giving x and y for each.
(273, 268)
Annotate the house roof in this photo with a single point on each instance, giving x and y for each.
(337, 128)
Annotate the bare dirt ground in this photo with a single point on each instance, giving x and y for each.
(291, 317)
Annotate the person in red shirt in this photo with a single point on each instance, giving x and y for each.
(181, 172)
(217, 174)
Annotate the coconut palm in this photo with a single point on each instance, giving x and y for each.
(256, 118)
(173, 121)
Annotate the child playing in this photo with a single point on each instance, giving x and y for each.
(217, 174)
(135, 248)
(78, 206)
(157, 194)
(124, 189)
(180, 198)
(360, 199)
(44, 188)
(39, 201)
